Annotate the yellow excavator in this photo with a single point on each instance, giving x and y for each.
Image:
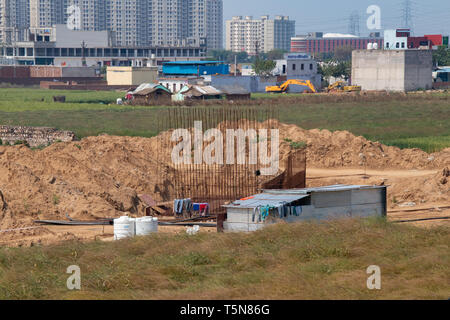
(285, 86)
(340, 86)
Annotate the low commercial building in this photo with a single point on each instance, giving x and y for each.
(132, 76)
(392, 70)
(318, 42)
(294, 205)
(60, 46)
(303, 67)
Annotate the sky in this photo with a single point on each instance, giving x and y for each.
(428, 16)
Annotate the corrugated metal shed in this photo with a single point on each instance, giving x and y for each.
(319, 203)
(273, 196)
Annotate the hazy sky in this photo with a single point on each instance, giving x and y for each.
(429, 16)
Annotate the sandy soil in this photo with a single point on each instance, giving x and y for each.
(102, 176)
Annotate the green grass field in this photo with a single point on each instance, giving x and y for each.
(286, 261)
(416, 120)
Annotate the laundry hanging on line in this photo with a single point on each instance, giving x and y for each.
(283, 210)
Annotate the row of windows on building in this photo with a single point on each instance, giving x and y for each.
(302, 66)
(98, 52)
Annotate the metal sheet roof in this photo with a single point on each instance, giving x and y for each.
(147, 91)
(336, 187)
(264, 199)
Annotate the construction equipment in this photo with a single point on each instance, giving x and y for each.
(340, 86)
(285, 86)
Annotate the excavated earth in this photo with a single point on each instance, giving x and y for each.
(102, 176)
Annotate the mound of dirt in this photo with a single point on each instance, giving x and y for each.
(102, 176)
(326, 149)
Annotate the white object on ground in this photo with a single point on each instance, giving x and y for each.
(124, 227)
(155, 225)
(192, 230)
(144, 226)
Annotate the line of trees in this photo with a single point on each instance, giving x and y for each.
(262, 64)
(337, 64)
(441, 56)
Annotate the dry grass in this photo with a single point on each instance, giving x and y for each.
(297, 261)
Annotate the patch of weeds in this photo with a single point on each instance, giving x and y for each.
(23, 142)
(56, 199)
(298, 145)
(196, 259)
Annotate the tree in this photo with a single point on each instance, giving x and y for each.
(228, 56)
(336, 69)
(441, 56)
(275, 54)
(343, 54)
(263, 67)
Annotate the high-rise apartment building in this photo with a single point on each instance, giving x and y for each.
(128, 20)
(259, 35)
(133, 22)
(92, 13)
(46, 13)
(167, 21)
(14, 19)
(206, 21)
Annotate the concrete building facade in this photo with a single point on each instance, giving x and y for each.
(259, 35)
(131, 76)
(14, 20)
(392, 70)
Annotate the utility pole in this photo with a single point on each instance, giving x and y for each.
(235, 65)
(83, 56)
(407, 15)
(354, 24)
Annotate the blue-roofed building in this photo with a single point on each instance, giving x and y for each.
(195, 68)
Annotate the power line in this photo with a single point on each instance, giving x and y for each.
(354, 24)
(407, 15)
